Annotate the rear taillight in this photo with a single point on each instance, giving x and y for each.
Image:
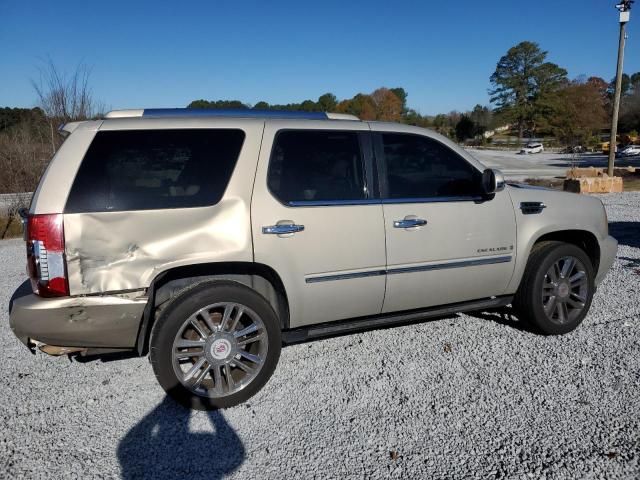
(45, 255)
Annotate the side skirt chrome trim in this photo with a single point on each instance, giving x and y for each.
(420, 268)
(444, 266)
(345, 276)
(303, 334)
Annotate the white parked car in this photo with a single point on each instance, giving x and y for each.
(533, 147)
(630, 151)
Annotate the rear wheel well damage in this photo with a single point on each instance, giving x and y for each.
(582, 239)
(167, 285)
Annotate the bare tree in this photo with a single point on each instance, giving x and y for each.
(64, 98)
(23, 158)
(28, 141)
(23, 154)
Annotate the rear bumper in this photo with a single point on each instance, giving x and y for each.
(109, 321)
(608, 251)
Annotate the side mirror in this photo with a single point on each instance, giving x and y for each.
(492, 181)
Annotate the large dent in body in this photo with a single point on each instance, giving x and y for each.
(112, 251)
(91, 321)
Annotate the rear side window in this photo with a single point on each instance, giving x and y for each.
(155, 169)
(420, 167)
(316, 166)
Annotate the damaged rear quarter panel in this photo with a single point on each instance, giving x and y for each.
(114, 251)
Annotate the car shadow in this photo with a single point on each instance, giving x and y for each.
(162, 446)
(569, 163)
(632, 263)
(502, 316)
(627, 233)
(23, 290)
(568, 160)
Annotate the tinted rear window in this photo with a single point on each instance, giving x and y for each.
(155, 169)
(317, 166)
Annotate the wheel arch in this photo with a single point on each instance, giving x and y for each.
(582, 238)
(261, 278)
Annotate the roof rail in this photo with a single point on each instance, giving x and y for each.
(238, 112)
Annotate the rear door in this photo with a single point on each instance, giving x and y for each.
(315, 221)
(445, 242)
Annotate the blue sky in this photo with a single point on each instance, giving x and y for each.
(165, 54)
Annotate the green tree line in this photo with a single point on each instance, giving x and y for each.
(536, 97)
(383, 104)
(532, 95)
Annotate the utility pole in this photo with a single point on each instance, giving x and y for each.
(625, 14)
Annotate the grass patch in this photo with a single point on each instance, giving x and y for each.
(631, 184)
(10, 227)
(630, 180)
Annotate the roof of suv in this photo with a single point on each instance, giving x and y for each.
(236, 113)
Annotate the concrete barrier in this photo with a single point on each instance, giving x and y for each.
(573, 173)
(602, 184)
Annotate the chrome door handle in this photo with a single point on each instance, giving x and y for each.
(282, 229)
(409, 223)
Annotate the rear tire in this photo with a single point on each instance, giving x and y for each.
(556, 289)
(215, 345)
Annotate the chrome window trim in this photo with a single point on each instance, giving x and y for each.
(420, 268)
(465, 198)
(331, 203)
(378, 201)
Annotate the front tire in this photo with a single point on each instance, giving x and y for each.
(557, 288)
(215, 345)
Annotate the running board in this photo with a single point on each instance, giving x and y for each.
(303, 334)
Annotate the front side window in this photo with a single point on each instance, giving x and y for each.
(316, 166)
(155, 169)
(420, 167)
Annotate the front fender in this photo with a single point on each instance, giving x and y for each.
(563, 212)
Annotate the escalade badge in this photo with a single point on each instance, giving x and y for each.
(495, 249)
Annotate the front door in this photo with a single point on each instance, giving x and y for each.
(314, 220)
(445, 242)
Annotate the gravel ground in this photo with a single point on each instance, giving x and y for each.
(465, 396)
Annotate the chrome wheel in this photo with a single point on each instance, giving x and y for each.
(565, 290)
(219, 349)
